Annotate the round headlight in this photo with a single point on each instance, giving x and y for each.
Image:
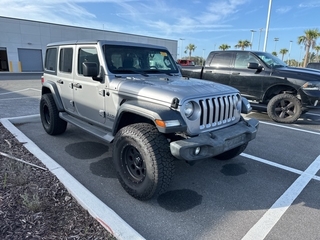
(188, 109)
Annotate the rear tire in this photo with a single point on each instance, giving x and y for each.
(49, 114)
(143, 160)
(284, 108)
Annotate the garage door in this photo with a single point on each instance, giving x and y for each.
(31, 59)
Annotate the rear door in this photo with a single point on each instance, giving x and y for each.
(64, 80)
(218, 69)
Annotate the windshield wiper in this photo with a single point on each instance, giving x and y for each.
(157, 71)
(125, 71)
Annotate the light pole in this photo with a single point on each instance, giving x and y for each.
(181, 50)
(300, 60)
(267, 27)
(259, 39)
(289, 52)
(275, 44)
(252, 32)
(202, 56)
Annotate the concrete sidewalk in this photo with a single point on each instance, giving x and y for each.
(97, 209)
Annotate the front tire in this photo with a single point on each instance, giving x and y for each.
(49, 114)
(143, 161)
(284, 108)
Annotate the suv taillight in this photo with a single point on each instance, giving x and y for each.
(42, 80)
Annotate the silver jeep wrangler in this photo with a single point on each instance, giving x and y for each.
(134, 96)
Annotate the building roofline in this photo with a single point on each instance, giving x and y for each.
(96, 29)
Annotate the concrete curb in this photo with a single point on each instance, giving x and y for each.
(97, 209)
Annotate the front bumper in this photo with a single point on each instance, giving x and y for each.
(310, 98)
(215, 142)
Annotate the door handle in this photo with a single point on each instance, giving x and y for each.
(77, 85)
(235, 73)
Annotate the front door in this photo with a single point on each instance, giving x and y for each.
(248, 81)
(89, 95)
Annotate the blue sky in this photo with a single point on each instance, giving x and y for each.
(207, 24)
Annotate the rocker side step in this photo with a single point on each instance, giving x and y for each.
(100, 133)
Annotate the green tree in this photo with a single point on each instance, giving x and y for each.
(309, 41)
(317, 48)
(224, 47)
(243, 44)
(293, 62)
(190, 48)
(283, 51)
(274, 53)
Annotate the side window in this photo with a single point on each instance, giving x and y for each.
(50, 63)
(242, 60)
(222, 59)
(87, 54)
(65, 61)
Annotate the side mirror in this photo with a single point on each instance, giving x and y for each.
(90, 69)
(252, 65)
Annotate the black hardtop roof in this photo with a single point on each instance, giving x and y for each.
(102, 42)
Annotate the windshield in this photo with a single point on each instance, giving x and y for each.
(270, 60)
(142, 60)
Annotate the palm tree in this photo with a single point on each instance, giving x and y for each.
(317, 48)
(283, 51)
(274, 53)
(243, 44)
(309, 41)
(224, 47)
(190, 48)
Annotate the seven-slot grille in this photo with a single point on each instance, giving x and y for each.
(218, 110)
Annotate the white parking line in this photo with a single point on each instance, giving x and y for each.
(22, 90)
(290, 169)
(314, 114)
(291, 128)
(8, 99)
(272, 216)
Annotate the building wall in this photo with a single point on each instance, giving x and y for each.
(24, 34)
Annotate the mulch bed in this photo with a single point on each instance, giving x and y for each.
(34, 204)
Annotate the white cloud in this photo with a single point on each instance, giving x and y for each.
(158, 18)
(310, 4)
(283, 10)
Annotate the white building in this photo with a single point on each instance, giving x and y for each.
(23, 42)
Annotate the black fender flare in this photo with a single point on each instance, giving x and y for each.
(50, 87)
(151, 111)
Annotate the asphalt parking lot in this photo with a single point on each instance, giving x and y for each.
(271, 191)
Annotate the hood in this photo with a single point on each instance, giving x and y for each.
(165, 89)
(306, 74)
